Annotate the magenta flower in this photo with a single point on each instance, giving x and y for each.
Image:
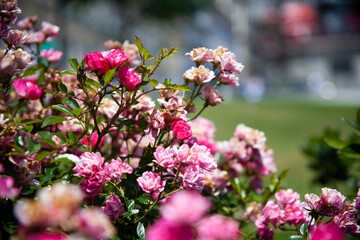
(151, 182)
(287, 196)
(181, 129)
(113, 207)
(7, 188)
(185, 207)
(115, 58)
(116, 169)
(129, 78)
(212, 96)
(165, 156)
(315, 203)
(217, 227)
(27, 88)
(164, 229)
(91, 165)
(347, 223)
(51, 55)
(46, 236)
(333, 198)
(93, 138)
(327, 232)
(96, 62)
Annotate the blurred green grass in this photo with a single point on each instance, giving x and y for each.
(287, 123)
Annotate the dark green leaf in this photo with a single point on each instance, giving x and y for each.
(130, 204)
(48, 141)
(63, 108)
(62, 87)
(30, 121)
(109, 75)
(303, 229)
(92, 82)
(28, 128)
(44, 134)
(131, 212)
(52, 120)
(145, 199)
(61, 136)
(140, 230)
(18, 148)
(74, 63)
(72, 103)
(44, 154)
(34, 147)
(73, 138)
(51, 92)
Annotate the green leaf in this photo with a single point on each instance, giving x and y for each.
(62, 87)
(67, 158)
(52, 120)
(351, 123)
(140, 230)
(295, 237)
(143, 51)
(48, 141)
(303, 229)
(77, 111)
(145, 199)
(44, 154)
(51, 92)
(30, 121)
(18, 148)
(31, 70)
(131, 212)
(63, 108)
(283, 174)
(92, 82)
(154, 83)
(72, 103)
(61, 136)
(34, 147)
(358, 116)
(74, 63)
(130, 204)
(68, 72)
(28, 128)
(335, 143)
(109, 75)
(73, 138)
(181, 87)
(44, 134)
(167, 82)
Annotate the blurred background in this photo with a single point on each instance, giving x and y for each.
(302, 58)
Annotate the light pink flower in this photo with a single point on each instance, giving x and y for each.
(50, 29)
(129, 77)
(116, 169)
(151, 182)
(185, 207)
(27, 88)
(217, 227)
(229, 63)
(199, 76)
(165, 156)
(333, 198)
(22, 58)
(203, 128)
(201, 155)
(295, 213)
(326, 232)
(315, 203)
(287, 196)
(229, 79)
(27, 23)
(212, 96)
(273, 212)
(7, 188)
(181, 129)
(113, 207)
(51, 55)
(34, 37)
(250, 135)
(201, 55)
(168, 230)
(347, 223)
(192, 178)
(91, 165)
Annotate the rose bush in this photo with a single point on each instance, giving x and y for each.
(87, 154)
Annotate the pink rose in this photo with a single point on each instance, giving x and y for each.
(7, 187)
(217, 227)
(93, 138)
(96, 62)
(199, 76)
(27, 88)
(229, 79)
(165, 156)
(326, 232)
(151, 182)
(168, 230)
(129, 78)
(116, 169)
(51, 55)
(333, 198)
(113, 207)
(181, 129)
(212, 96)
(50, 29)
(115, 58)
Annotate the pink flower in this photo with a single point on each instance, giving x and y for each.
(27, 88)
(165, 156)
(115, 58)
(51, 55)
(193, 178)
(347, 223)
(91, 165)
(217, 227)
(50, 29)
(229, 79)
(116, 169)
(202, 55)
(295, 213)
(287, 196)
(202, 156)
(96, 62)
(203, 128)
(113, 208)
(164, 229)
(199, 76)
(212, 96)
(333, 198)
(229, 63)
(273, 212)
(315, 203)
(181, 129)
(185, 207)
(7, 188)
(46, 236)
(94, 138)
(151, 182)
(326, 232)
(129, 77)
(92, 186)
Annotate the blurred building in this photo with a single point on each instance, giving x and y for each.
(310, 47)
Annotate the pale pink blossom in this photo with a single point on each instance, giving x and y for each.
(287, 196)
(326, 232)
(27, 88)
(185, 207)
(22, 58)
(229, 79)
(273, 212)
(129, 78)
(229, 63)
(203, 128)
(201, 55)
(192, 178)
(199, 76)
(113, 207)
(27, 23)
(201, 155)
(165, 157)
(347, 222)
(315, 203)
(250, 135)
(151, 182)
(34, 37)
(91, 165)
(295, 213)
(333, 198)
(217, 227)
(219, 51)
(7, 188)
(116, 169)
(51, 55)
(50, 29)
(212, 96)
(181, 129)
